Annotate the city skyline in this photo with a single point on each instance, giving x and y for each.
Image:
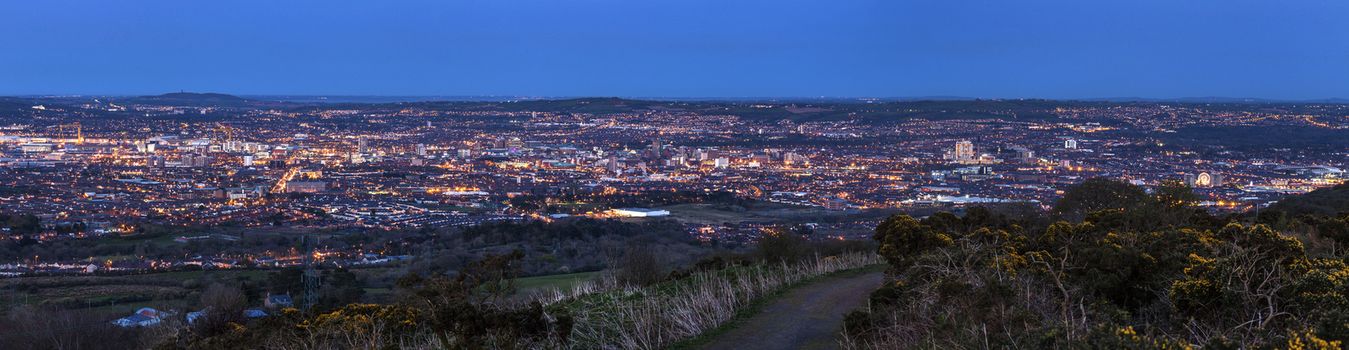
(374, 98)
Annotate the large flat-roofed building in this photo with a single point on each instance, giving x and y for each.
(306, 186)
(639, 212)
(37, 147)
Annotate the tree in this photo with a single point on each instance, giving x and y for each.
(24, 224)
(1175, 194)
(340, 287)
(286, 281)
(1099, 194)
(779, 244)
(223, 305)
(467, 311)
(640, 266)
(902, 239)
(32, 327)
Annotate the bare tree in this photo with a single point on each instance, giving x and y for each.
(223, 304)
(640, 266)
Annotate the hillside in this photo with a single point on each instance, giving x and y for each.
(1326, 202)
(14, 105)
(192, 99)
(1126, 277)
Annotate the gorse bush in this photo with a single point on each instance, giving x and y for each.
(1136, 272)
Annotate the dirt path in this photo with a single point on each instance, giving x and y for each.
(808, 317)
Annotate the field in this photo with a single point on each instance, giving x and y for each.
(524, 286)
(116, 294)
(711, 214)
(179, 290)
(544, 283)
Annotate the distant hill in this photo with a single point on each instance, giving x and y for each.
(591, 104)
(803, 110)
(1325, 201)
(11, 105)
(595, 105)
(192, 99)
(584, 105)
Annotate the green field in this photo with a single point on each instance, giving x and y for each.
(562, 281)
(765, 212)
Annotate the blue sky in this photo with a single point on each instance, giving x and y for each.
(1292, 49)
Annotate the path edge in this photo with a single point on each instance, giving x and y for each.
(757, 306)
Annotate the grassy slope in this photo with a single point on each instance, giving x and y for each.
(562, 281)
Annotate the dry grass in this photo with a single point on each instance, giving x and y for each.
(614, 316)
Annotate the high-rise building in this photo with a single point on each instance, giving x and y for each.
(515, 145)
(963, 152)
(362, 145)
(612, 164)
(1024, 155)
(706, 154)
(1070, 144)
(421, 149)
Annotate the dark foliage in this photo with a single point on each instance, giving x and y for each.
(640, 266)
(35, 328)
(464, 311)
(1322, 202)
(1137, 271)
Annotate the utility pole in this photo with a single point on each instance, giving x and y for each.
(311, 274)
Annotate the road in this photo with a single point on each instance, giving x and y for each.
(807, 317)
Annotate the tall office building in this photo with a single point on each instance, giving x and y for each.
(515, 145)
(964, 152)
(611, 164)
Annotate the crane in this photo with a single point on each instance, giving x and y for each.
(79, 131)
(227, 130)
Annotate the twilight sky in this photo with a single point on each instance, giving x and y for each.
(1288, 49)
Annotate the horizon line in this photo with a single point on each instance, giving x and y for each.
(496, 97)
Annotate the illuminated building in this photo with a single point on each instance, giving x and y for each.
(963, 152)
(1204, 180)
(306, 186)
(639, 212)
